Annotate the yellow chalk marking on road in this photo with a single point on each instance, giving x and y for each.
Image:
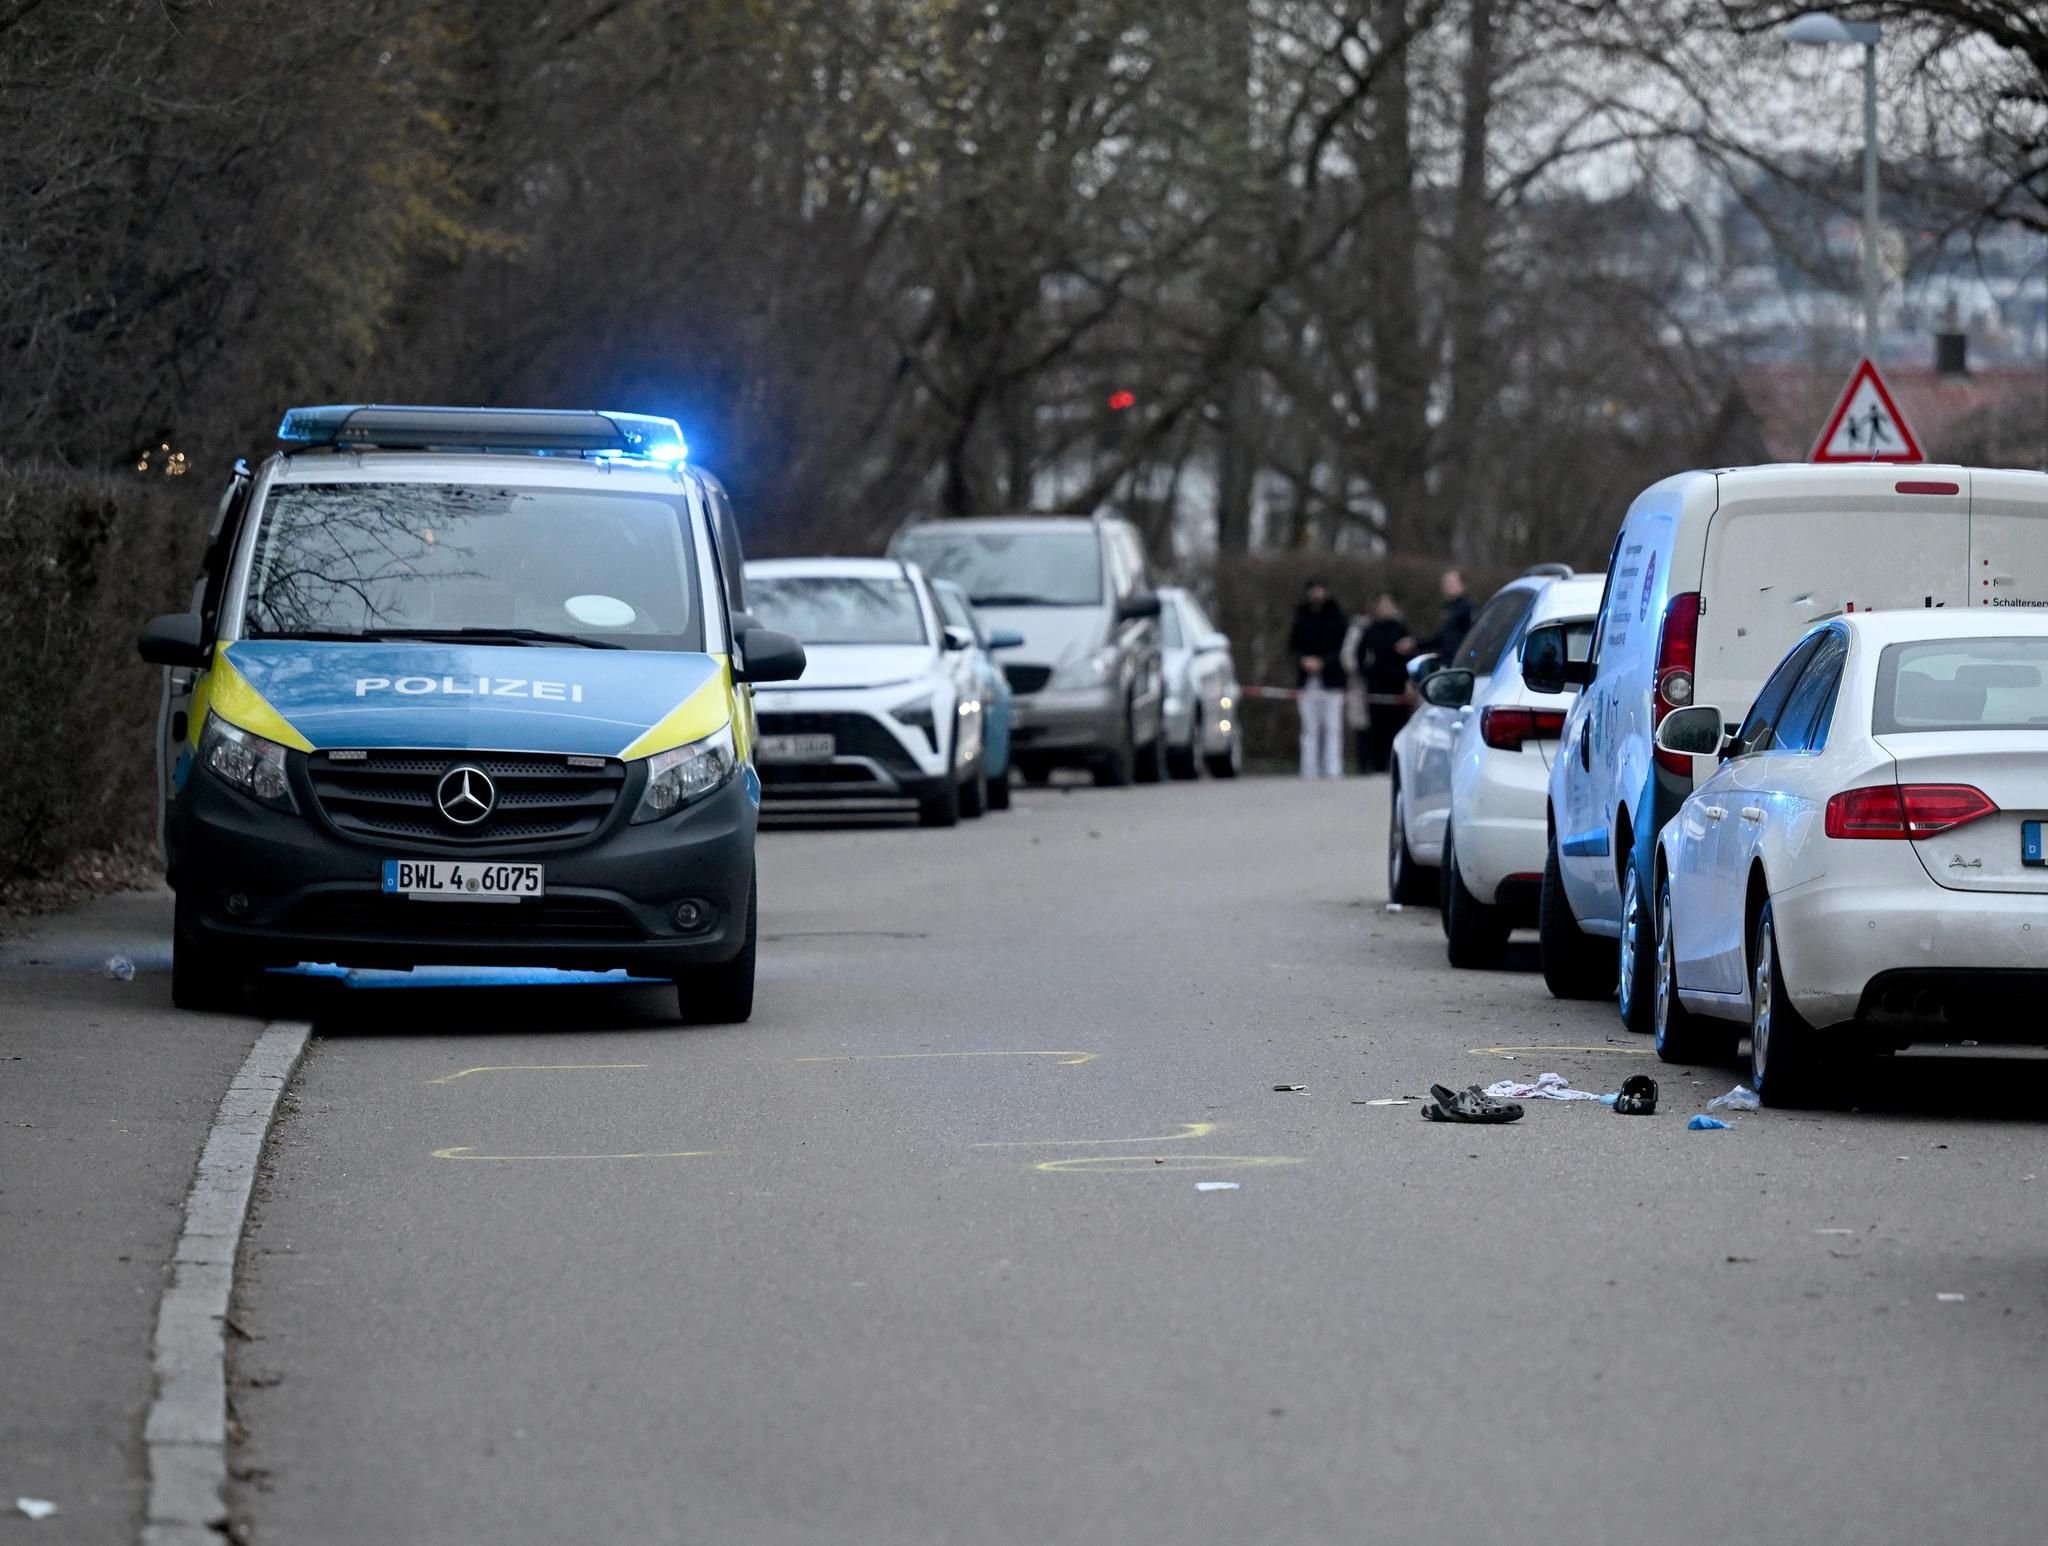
(1620, 1052)
(1188, 1130)
(1152, 1163)
(531, 1068)
(464, 1152)
(1066, 1059)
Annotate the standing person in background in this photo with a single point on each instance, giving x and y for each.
(1450, 634)
(1377, 653)
(1317, 643)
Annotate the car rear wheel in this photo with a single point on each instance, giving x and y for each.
(1035, 770)
(1230, 762)
(1785, 1064)
(206, 978)
(1682, 1036)
(1475, 932)
(1576, 965)
(1185, 762)
(1636, 989)
(724, 994)
(1150, 765)
(1115, 768)
(999, 792)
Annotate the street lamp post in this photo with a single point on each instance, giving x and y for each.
(1831, 31)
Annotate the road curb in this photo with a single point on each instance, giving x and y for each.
(185, 1434)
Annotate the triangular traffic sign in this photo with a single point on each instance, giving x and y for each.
(1866, 425)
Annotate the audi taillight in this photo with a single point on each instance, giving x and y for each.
(1905, 812)
(1507, 729)
(1677, 654)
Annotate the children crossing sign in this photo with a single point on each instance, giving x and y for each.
(1866, 425)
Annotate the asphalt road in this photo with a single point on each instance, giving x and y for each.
(921, 1255)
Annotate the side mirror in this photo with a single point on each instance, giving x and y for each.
(1422, 666)
(1136, 605)
(173, 640)
(953, 638)
(1006, 639)
(1695, 732)
(1448, 689)
(1213, 644)
(1547, 665)
(770, 656)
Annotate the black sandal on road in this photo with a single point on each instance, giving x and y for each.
(1469, 1105)
(1638, 1097)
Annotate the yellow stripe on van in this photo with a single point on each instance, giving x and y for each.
(227, 692)
(703, 713)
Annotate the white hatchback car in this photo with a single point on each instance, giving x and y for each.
(1865, 867)
(1472, 766)
(889, 708)
(1202, 721)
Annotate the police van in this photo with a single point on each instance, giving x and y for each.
(472, 687)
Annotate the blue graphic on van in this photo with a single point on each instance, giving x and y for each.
(461, 697)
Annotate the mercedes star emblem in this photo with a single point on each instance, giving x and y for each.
(466, 795)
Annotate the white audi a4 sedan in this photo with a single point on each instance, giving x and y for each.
(1865, 868)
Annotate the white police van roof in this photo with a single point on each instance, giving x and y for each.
(496, 431)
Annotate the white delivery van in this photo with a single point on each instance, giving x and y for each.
(1714, 577)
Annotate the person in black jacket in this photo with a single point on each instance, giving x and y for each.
(1317, 643)
(1457, 619)
(1378, 653)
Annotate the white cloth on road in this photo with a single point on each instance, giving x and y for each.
(1322, 732)
(1546, 1087)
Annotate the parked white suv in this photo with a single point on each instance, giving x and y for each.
(1472, 770)
(888, 708)
(1713, 577)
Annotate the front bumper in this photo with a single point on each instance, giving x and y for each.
(1851, 948)
(302, 891)
(877, 756)
(1073, 723)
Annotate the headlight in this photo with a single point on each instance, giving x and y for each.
(1092, 672)
(676, 778)
(248, 762)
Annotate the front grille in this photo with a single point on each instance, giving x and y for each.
(541, 798)
(1028, 678)
(853, 735)
(371, 915)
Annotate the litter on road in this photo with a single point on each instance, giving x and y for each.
(1741, 1098)
(117, 969)
(1706, 1124)
(1216, 1186)
(1470, 1104)
(36, 1508)
(1950, 1298)
(1546, 1087)
(1403, 1100)
(1637, 1096)
(1288, 1089)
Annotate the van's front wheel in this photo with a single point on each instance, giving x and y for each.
(205, 977)
(724, 994)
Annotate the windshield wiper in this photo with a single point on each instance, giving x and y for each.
(438, 635)
(1008, 599)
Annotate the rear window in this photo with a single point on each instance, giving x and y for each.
(837, 608)
(1962, 684)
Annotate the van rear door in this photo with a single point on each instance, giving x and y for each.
(1789, 546)
(2008, 539)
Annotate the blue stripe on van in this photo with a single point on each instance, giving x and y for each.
(1586, 845)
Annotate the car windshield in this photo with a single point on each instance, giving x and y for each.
(528, 565)
(1962, 684)
(1060, 568)
(837, 608)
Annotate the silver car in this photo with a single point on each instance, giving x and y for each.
(1202, 714)
(1087, 681)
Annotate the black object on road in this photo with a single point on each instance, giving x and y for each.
(1638, 1097)
(1470, 1104)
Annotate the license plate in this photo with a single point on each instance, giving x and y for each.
(2030, 843)
(796, 748)
(463, 880)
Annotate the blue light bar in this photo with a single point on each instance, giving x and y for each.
(528, 431)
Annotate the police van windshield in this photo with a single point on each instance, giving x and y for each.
(837, 608)
(520, 565)
(1012, 568)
